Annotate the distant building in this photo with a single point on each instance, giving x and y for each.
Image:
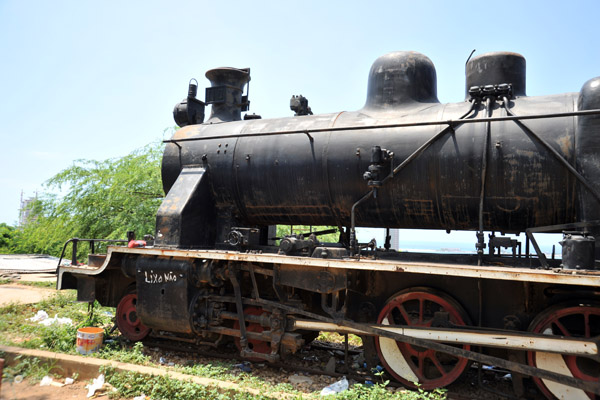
(25, 210)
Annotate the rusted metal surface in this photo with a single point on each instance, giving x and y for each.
(500, 339)
(566, 277)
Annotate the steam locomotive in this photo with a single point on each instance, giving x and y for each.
(500, 161)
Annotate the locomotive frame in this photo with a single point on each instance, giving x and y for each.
(214, 271)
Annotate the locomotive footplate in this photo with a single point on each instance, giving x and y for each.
(267, 303)
(493, 272)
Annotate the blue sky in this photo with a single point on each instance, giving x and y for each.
(95, 80)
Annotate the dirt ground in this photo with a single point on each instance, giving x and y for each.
(21, 294)
(27, 391)
(14, 293)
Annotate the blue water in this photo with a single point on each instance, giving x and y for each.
(460, 242)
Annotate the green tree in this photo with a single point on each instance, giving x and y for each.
(95, 199)
(283, 230)
(7, 233)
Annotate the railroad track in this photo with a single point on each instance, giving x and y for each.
(493, 384)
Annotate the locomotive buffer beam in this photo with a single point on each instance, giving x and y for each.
(514, 341)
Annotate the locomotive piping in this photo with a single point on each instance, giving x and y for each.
(403, 164)
(555, 153)
(484, 161)
(450, 122)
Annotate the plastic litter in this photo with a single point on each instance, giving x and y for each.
(162, 360)
(300, 379)
(96, 384)
(56, 320)
(369, 383)
(40, 316)
(335, 387)
(69, 381)
(18, 379)
(46, 381)
(245, 367)
(141, 397)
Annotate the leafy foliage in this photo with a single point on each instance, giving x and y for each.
(7, 233)
(98, 199)
(164, 387)
(283, 230)
(28, 367)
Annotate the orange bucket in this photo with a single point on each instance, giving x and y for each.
(89, 339)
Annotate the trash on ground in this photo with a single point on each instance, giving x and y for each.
(56, 320)
(335, 387)
(18, 379)
(330, 367)
(245, 367)
(46, 381)
(69, 381)
(96, 384)
(40, 316)
(141, 397)
(300, 379)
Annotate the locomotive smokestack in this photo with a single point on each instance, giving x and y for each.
(225, 94)
(497, 68)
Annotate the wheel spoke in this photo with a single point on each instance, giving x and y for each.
(437, 364)
(421, 366)
(408, 363)
(404, 314)
(562, 328)
(586, 319)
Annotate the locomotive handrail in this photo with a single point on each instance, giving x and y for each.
(407, 160)
(555, 153)
(92, 245)
(450, 122)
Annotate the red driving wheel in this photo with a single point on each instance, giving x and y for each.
(412, 364)
(574, 320)
(127, 319)
(258, 346)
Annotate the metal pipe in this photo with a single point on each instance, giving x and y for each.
(449, 122)
(475, 337)
(353, 244)
(555, 153)
(484, 161)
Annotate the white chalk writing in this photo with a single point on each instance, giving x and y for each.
(152, 277)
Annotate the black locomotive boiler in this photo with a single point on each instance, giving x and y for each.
(500, 161)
